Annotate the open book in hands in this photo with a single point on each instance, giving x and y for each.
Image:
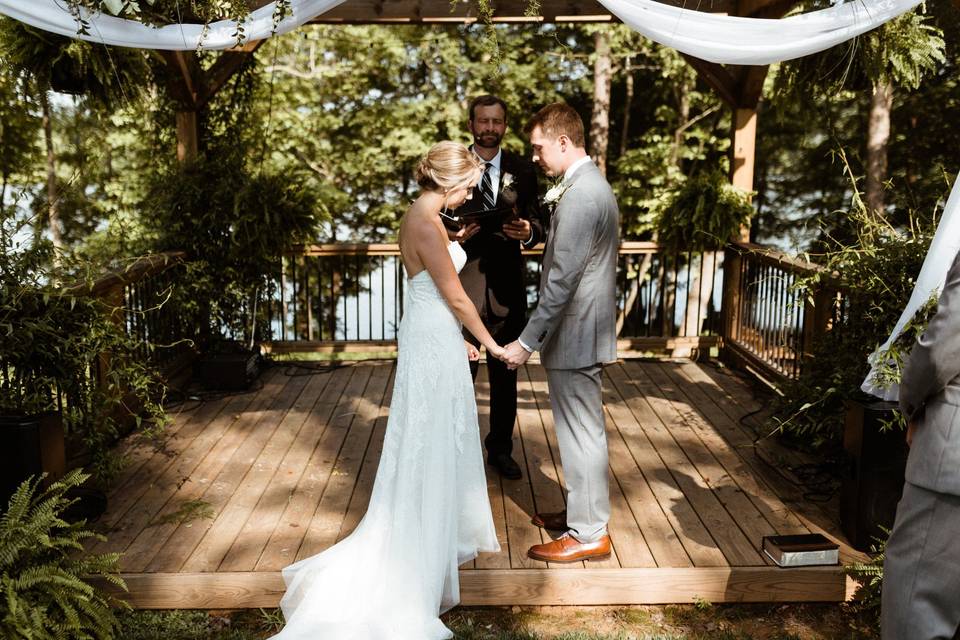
(493, 219)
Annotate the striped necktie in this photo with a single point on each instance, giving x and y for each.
(486, 189)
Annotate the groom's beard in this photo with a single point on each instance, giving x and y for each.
(487, 140)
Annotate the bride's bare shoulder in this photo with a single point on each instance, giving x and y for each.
(419, 225)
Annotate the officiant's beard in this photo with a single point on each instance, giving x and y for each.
(487, 140)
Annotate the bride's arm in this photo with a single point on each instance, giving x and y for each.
(431, 248)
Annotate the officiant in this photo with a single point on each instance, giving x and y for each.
(501, 219)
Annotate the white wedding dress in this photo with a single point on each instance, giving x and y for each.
(428, 512)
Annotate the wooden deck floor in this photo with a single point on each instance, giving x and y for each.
(247, 484)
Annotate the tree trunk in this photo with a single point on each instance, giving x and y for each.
(627, 104)
(682, 95)
(600, 120)
(878, 136)
(53, 204)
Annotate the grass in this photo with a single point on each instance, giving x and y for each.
(700, 621)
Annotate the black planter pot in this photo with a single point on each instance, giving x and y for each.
(33, 444)
(229, 367)
(873, 479)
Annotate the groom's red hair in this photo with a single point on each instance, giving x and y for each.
(559, 119)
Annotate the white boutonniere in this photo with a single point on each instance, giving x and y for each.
(508, 195)
(554, 193)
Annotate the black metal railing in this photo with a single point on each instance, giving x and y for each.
(351, 293)
(770, 319)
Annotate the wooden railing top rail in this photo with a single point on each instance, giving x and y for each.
(393, 249)
(793, 264)
(141, 268)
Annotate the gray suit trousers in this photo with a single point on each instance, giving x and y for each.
(921, 569)
(576, 397)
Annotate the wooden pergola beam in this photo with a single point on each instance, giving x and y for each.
(192, 87)
(717, 76)
(227, 64)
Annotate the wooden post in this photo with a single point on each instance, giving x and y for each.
(187, 135)
(732, 290)
(817, 318)
(744, 145)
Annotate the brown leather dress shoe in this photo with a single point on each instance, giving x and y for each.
(566, 548)
(553, 521)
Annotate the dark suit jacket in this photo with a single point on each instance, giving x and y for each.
(494, 276)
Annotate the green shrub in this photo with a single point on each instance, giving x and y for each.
(44, 571)
(878, 270)
(51, 341)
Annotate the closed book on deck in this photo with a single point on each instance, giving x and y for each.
(802, 550)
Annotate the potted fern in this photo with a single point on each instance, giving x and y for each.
(51, 588)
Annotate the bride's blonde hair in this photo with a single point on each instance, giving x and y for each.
(448, 166)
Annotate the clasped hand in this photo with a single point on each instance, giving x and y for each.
(513, 354)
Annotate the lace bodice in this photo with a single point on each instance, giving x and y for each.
(422, 282)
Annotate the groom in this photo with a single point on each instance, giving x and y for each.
(574, 328)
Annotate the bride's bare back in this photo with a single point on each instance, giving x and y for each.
(423, 246)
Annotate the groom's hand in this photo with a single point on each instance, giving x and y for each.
(515, 355)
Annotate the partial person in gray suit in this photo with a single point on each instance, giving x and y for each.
(574, 328)
(921, 570)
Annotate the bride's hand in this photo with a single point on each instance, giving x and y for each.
(473, 354)
(496, 351)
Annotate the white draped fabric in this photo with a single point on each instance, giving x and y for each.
(754, 41)
(717, 38)
(933, 273)
(54, 15)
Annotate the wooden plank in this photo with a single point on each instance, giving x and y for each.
(497, 587)
(325, 524)
(250, 516)
(311, 469)
(221, 472)
(542, 462)
(137, 451)
(494, 483)
(714, 460)
(693, 469)
(166, 491)
(625, 533)
(637, 433)
(653, 586)
(371, 460)
(769, 463)
(721, 431)
(518, 494)
(147, 465)
(656, 524)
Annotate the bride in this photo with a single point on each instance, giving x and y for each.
(429, 511)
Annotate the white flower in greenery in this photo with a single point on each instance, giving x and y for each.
(506, 181)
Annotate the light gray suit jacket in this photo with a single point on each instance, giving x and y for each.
(574, 324)
(930, 394)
